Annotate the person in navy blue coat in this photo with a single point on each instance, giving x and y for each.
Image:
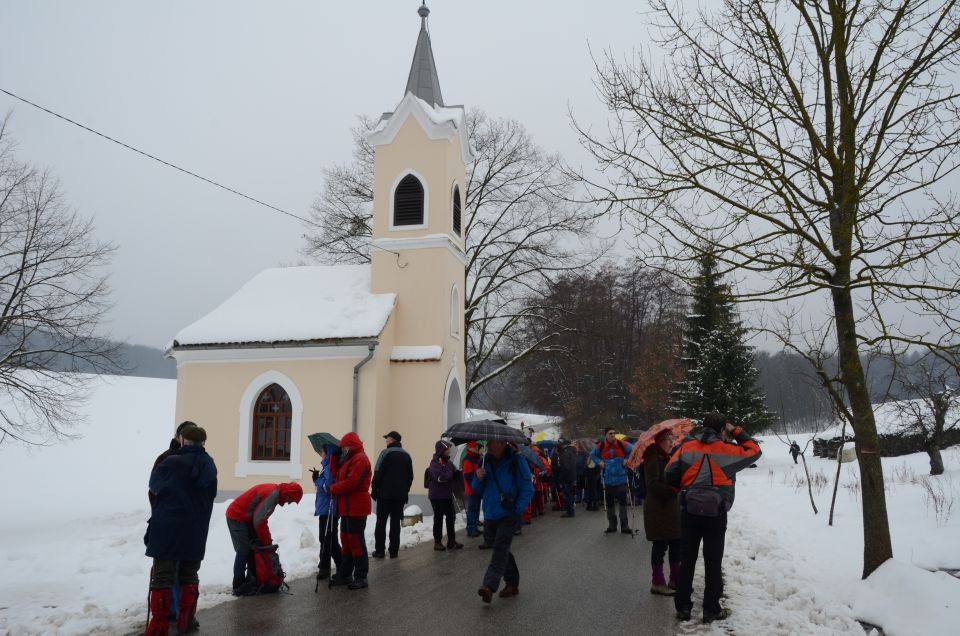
(184, 486)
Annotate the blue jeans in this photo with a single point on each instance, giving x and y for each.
(473, 513)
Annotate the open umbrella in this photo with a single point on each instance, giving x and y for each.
(319, 440)
(679, 428)
(547, 443)
(531, 456)
(484, 430)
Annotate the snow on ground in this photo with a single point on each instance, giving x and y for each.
(71, 556)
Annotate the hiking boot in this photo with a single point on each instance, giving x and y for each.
(626, 530)
(662, 590)
(378, 554)
(323, 574)
(683, 614)
(439, 547)
(709, 617)
(484, 546)
(610, 530)
(485, 593)
(508, 591)
(340, 580)
(454, 546)
(357, 584)
(393, 555)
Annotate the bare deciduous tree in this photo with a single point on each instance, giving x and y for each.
(520, 232)
(935, 407)
(52, 299)
(803, 141)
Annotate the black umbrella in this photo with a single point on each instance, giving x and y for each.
(484, 430)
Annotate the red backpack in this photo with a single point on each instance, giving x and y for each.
(268, 570)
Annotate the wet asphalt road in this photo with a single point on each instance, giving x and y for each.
(573, 580)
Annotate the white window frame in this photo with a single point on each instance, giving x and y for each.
(452, 377)
(245, 466)
(426, 202)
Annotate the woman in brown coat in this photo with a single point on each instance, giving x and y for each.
(661, 514)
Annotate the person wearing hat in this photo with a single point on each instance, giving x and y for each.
(390, 488)
(183, 487)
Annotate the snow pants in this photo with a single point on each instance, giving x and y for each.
(615, 494)
(329, 544)
(354, 546)
(712, 531)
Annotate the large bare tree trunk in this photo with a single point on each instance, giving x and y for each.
(877, 547)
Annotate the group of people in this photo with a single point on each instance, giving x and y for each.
(688, 485)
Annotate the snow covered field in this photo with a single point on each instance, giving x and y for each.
(71, 555)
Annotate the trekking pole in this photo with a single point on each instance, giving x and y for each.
(633, 509)
(325, 546)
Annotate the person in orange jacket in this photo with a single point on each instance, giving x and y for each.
(354, 505)
(704, 469)
(247, 522)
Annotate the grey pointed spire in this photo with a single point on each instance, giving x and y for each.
(423, 81)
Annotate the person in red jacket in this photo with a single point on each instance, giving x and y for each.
(471, 462)
(247, 522)
(352, 489)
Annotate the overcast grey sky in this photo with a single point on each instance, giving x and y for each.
(261, 96)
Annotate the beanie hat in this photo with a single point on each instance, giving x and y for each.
(194, 433)
(714, 420)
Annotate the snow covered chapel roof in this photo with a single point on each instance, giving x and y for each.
(295, 304)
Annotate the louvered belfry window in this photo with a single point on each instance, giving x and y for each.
(456, 210)
(408, 202)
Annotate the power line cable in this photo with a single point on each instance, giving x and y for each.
(159, 160)
(183, 170)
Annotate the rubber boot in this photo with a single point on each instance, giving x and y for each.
(186, 617)
(159, 624)
(674, 573)
(344, 575)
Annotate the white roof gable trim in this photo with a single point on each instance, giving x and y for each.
(440, 122)
(295, 304)
(416, 354)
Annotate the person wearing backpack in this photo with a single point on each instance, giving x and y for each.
(505, 487)
(352, 489)
(609, 456)
(390, 488)
(183, 486)
(440, 489)
(704, 470)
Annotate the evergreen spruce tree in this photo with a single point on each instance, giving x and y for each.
(720, 371)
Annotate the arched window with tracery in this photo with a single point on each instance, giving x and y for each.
(272, 418)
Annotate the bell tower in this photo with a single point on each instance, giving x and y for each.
(421, 152)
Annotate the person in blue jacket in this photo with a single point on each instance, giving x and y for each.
(326, 512)
(184, 486)
(506, 488)
(610, 455)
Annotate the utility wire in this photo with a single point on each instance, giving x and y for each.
(183, 170)
(159, 160)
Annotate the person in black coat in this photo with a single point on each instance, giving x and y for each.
(567, 475)
(184, 486)
(390, 488)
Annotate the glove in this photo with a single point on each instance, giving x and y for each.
(315, 473)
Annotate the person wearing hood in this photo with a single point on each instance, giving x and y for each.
(661, 514)
(704, 469)
(506, 488)
(471, 461)
(390, 488)
(247, 522)
(352, 490)
(326, 512)
(183, 487)
(440, 477)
